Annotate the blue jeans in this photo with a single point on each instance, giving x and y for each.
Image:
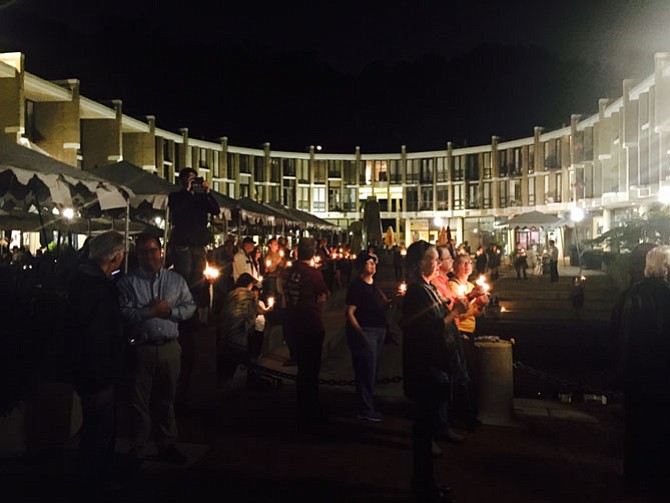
(366, 357)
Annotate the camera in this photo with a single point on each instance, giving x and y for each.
(196, 184)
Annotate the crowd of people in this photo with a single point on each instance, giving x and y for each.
(124, 332)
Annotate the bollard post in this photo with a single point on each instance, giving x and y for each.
(495, 382)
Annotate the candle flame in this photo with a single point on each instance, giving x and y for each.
(281, 253)
(211, 273)
(268, 263)
(271, 301)
(289, 263)
(402, 287)
(481, 281)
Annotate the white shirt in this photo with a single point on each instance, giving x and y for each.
(242, 263)
(260, 318)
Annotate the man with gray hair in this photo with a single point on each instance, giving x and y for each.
(96, 347)
(645, 330)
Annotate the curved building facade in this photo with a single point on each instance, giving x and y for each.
(611, 164)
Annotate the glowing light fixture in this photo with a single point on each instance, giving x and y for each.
(664, 195)
(577, 214)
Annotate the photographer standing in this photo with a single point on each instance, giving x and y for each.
(189, 210)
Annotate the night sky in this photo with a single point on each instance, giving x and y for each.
(345, 73)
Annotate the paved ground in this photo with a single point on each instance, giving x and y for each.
(243, 445)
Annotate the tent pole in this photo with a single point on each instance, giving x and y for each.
(126, 235)
(167, 227)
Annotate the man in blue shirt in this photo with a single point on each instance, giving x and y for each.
(153, 302)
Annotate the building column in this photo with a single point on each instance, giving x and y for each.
(184, 159)
(538, 161)
(12, 96)
(574, 167)
(495, 173)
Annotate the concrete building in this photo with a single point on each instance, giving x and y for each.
(612, 164)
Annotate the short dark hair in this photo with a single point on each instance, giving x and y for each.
(245, 279)
(306, 248)
(183, 174)
(415, 254)
(362, 259)
(145, 237)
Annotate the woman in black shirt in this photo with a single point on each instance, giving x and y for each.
(366, 308)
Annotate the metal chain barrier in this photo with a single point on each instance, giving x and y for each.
(561, 383)
(259, 369)
(566, 384)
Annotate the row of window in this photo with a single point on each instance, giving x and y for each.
(469, 167)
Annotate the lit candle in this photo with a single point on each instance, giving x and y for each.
(289, 263)
(281, 253)
(271, 301)
(268, 263)
(402, 288)
(481, 281)
(461, 290)
(211, 273)
(403, 252)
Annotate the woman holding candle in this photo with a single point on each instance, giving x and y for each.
(426, 322)
(366, 308)
(464, 391)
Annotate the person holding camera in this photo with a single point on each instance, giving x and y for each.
(190, 208)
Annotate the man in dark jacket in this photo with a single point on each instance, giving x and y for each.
(97, 348)
(190, 208)
(644, 329)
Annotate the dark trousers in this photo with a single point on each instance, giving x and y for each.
(308, 356)
(427, 421)
(290, 340)
(255, 344)
(190, 262)
(96, 441)
(553, 270)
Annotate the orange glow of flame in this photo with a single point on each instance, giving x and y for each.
(289, 263)
(502, 309)
(281, 253)
(481, 281)
(461, 290)
(271, 301)
(402, 287)
(268, 263)
(211, 273)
